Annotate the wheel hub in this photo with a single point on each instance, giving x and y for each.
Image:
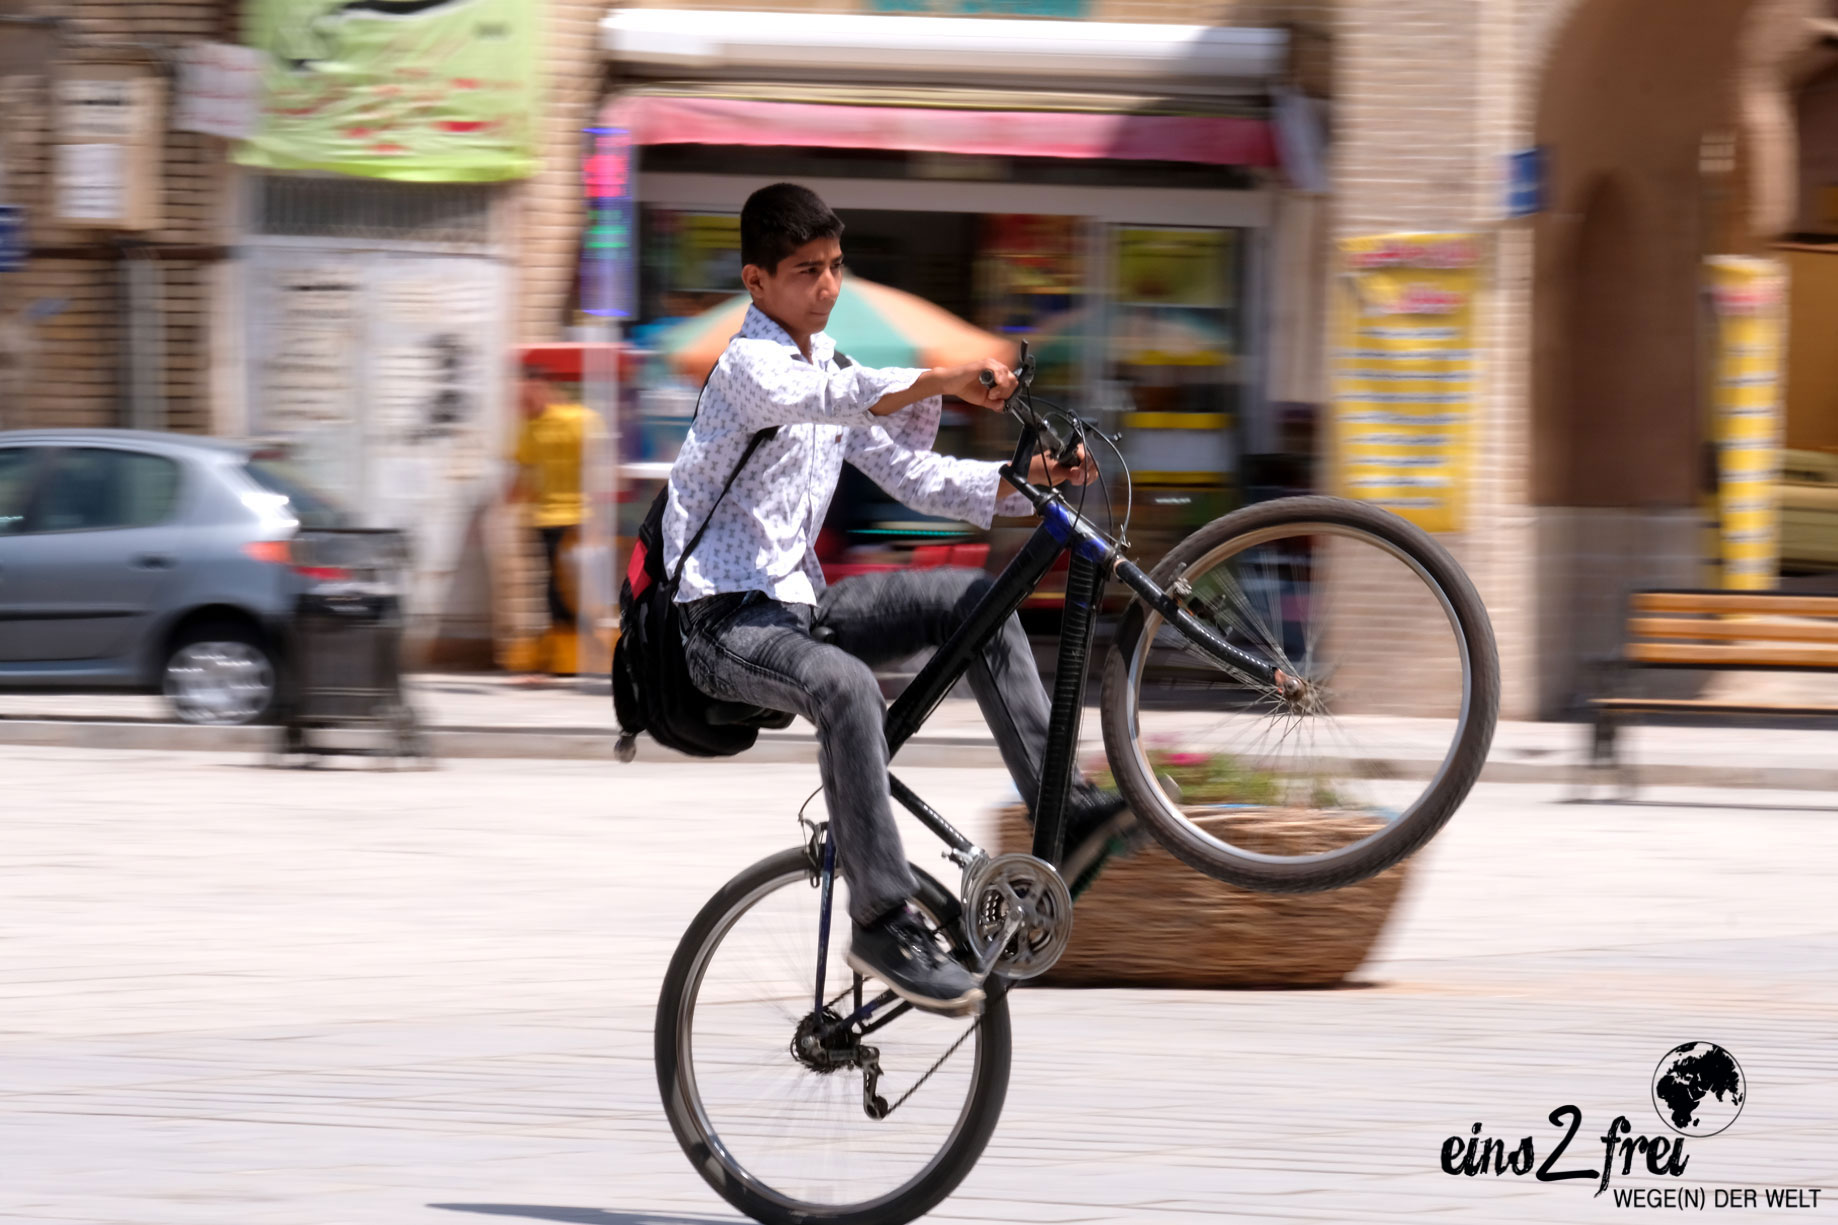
(1299, 695)
(824, 1044)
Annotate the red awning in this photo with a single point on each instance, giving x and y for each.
(1208, 140)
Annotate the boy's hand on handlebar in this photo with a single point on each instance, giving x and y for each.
(1046, 470)
(992, 393)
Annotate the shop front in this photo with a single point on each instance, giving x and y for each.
(1126, 238)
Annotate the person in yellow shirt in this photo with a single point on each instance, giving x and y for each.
(548, 457)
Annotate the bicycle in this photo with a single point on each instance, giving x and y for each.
(801, 1096)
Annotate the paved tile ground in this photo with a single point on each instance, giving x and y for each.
(242, 996)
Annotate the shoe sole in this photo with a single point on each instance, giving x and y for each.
(968, 1004)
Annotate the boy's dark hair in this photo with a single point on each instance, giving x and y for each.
(777, 220)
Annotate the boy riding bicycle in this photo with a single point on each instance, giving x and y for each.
(759, 625)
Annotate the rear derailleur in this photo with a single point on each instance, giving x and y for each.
(825, 1045)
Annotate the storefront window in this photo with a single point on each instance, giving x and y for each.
(1138, 325)
(1174, 377)
(1174, 339)
(1032, 285)
(691, 263)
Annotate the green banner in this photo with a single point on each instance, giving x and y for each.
(434, 91)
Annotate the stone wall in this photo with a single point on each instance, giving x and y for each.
(63, 318)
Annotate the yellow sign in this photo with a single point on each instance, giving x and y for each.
(1173, 267)
(1171, 292)
(1405, 374)
(1748, 296)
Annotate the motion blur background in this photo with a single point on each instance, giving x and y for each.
(334, 228)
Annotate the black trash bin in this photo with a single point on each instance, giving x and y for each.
(343, 667)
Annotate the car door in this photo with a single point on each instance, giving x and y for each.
(18, 467)
(98, 548)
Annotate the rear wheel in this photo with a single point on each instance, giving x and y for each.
(1372, 739)
(220, 672)
(774, 1107)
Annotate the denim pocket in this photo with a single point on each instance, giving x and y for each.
(710, 613)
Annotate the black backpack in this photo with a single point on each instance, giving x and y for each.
(652, 691)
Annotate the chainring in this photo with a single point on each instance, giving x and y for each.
(1025, 888)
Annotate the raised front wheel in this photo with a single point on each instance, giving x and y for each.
(1387, 691)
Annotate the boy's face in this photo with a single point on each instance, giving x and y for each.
(800, 294)
(533, 395)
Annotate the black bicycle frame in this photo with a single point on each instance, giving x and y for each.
(1094, 557)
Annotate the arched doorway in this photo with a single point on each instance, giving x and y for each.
(1633, 106)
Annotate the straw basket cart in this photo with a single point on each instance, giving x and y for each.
(1151, 921)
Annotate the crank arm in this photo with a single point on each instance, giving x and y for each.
(988, 962)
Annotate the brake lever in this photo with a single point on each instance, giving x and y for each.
(1066, 451)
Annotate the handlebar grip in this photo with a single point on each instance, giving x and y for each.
(1065, 451)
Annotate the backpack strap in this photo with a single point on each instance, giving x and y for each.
(753, 444)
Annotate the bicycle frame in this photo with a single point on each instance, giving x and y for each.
(1095, 559)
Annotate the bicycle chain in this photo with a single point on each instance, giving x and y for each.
(871, 1069)
(928, 1072)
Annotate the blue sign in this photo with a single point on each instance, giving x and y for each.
(12, 237)
(1525, 182)
(608, 267)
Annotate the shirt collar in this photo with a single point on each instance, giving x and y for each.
(756, 326)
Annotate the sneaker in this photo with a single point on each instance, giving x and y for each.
(1099, 825)
(902, 951)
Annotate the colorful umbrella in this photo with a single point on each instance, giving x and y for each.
(873, 324)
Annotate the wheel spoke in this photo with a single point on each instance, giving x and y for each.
(797, 1127)
(1376, 666)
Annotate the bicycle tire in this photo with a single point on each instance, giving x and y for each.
(1432, 810)
(732, 1182)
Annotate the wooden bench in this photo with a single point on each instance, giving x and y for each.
(1733, 631)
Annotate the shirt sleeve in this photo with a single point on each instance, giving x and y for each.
(525, 452)
(767, 386)
(894, 453)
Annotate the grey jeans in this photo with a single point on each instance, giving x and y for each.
(747, 647)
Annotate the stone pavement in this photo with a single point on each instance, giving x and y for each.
(314, 998)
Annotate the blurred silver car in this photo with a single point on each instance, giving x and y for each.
(151, 563)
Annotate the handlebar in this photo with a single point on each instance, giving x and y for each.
(1065, 450)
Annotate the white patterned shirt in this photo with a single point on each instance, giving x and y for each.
(763, 534)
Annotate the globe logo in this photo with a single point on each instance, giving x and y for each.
(1698, 1089)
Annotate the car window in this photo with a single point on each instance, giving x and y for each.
(16, 465)
(312, 508)
(89, 488)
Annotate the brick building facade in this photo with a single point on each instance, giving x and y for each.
(64, 318)
(1427, 98)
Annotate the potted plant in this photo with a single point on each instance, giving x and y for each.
(1150, 920)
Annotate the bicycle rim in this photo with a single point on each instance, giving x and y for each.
(1330, 781)
(798, 1139)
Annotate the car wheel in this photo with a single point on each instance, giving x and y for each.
(220, 673)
